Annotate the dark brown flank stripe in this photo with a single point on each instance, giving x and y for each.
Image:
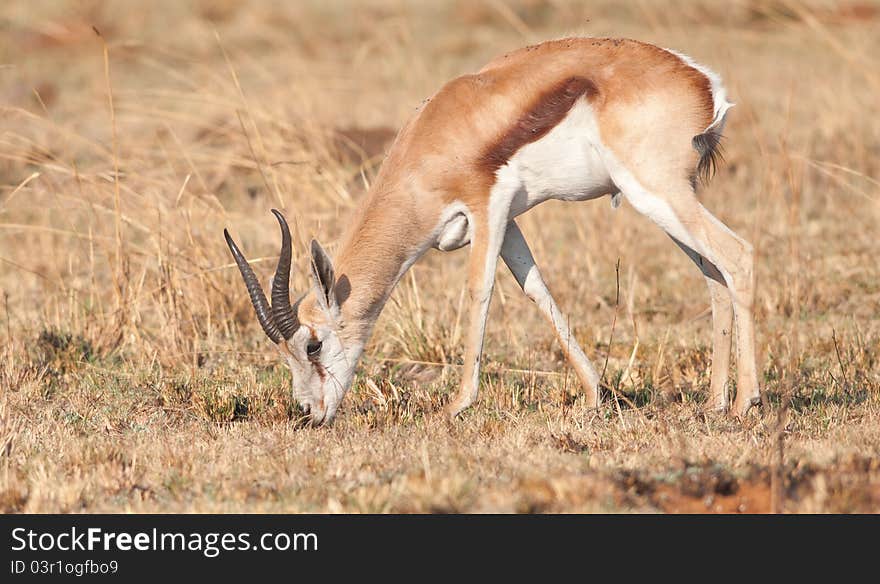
(548, 110)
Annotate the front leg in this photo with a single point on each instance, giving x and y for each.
(518, 257)
(486, 240)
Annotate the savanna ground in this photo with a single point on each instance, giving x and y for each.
(135, 377)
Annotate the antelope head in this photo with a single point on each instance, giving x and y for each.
(309, 333)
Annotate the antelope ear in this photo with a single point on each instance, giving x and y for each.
(323, 275)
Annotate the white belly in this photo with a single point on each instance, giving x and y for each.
(565, 164)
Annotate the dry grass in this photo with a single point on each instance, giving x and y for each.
(134, 377)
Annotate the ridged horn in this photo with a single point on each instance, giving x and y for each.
(258, 298)
(285, 315)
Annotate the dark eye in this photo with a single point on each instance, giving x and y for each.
(313, 348)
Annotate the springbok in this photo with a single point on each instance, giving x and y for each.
(573, 119)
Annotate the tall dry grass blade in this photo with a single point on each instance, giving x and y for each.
(867, 71)
(257, 159)
(18, 188)
(513, 19)
(118, 274)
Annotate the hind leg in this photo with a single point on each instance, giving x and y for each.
(681, 215)
(722, 328)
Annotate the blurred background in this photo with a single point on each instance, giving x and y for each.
(132, 133)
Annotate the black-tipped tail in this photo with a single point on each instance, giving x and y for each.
(708, 145)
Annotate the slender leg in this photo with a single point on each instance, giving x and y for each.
(738, 258)
(518, 257)
(485, 246)
(682, 216)
(722, 328)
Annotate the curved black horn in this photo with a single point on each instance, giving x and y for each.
(258, 298)
(285, 315)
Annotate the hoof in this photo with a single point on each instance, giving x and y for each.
(462, 401)
(452, 411)
(717, 408)
(742, 408)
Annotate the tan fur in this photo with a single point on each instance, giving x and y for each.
(435, 157)
(649, 105)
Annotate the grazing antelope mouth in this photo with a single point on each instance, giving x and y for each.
(316, 420)
(280, 321)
